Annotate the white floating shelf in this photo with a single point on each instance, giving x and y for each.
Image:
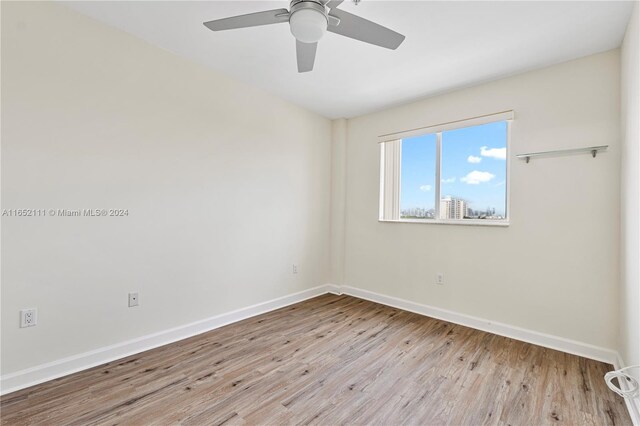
(592, 149)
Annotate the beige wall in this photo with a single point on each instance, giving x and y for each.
(338, 198)
(226, 187)
(630, 197)
(555, 269)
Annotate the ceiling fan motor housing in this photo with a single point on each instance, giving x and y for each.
(308, 20)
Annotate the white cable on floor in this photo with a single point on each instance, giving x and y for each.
(631, 382)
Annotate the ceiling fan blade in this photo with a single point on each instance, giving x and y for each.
(358, 28)
(267, 17)
(332, 4)
(306, 53)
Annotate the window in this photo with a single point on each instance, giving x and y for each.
(451, 173)
(418, 178)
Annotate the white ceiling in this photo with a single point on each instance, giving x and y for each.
(449, 45)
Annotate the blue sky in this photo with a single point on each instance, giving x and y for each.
(473, 167)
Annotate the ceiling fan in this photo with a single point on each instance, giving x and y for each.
(308, 21)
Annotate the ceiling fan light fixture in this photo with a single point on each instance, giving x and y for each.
(308, 25)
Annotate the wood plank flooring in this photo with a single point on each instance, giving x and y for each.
(331, 360)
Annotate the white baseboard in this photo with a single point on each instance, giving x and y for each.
(62, 367)
(333, 288)
(541, 339)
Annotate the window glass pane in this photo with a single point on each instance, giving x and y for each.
(418, 178)
(473, 172)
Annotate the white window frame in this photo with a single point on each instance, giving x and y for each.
(438, 129)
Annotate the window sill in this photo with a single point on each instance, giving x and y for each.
(469, 222)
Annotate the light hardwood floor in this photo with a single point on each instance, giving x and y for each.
(331, 360)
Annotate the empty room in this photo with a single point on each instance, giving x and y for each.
(330, 212)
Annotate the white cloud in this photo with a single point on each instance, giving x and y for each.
(450, 180)
(473, 159)
(497, 153)
(476, 177)
(425, 188)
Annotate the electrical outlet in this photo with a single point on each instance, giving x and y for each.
(440, 278)
(28, 317)
(133, 300)
(295, 269)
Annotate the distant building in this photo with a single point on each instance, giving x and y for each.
(417, 212)
(453, 208)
